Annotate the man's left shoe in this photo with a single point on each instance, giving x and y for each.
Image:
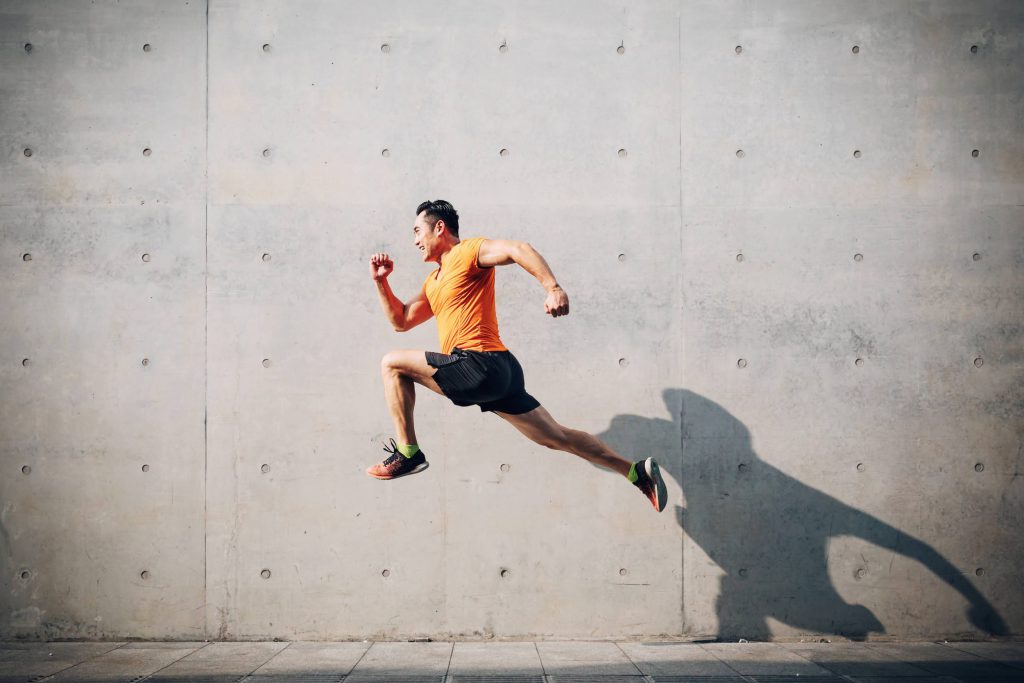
(397, 465)
(649, 482)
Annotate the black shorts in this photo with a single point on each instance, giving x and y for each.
(492, 380)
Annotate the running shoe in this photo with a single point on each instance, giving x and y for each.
(649, 481)
(397, 465)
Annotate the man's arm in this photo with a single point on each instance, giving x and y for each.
(504, 252)
(402, 316)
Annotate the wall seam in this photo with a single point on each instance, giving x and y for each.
(206, 335)
(680, 337)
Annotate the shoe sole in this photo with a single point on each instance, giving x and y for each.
(654, 472)
(415, 470)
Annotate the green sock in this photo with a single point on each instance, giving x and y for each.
(632, 476)
(408, 450)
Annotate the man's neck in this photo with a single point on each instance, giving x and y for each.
(440, 259)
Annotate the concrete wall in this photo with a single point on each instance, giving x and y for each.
(791, 280)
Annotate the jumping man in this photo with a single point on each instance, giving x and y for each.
(474, 367)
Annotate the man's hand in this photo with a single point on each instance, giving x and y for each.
(380, 266)
(557, 302)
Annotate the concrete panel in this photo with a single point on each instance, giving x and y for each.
(793, 240)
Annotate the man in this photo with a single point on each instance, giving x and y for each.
(474, 367)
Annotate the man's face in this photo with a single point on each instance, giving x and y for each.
(426, 238)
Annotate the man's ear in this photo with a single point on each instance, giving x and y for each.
(440, 224)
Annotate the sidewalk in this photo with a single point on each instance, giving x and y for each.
(512, 662)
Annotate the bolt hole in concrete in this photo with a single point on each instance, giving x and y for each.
(622, 257)
(145, 258)
(503, 152)
(145, 468)
(505, 467)
(144, 574)
(739, 49)
(860, 467)
(979, 467)
(265, 573)
(266, 47)
(145, 362)
(503, 47)
(859, 362)
(264, 468)
(28, 47)
(743, 572)
(146, 48)
(622, 153)
(28, 152)
(623, 363)
(505, 573)
(385, 48)
(978, 362)
(266, 258)
(24, 575)
(385, 152)
(743, 467)
(980, 571)
(266, 152)
(856, 49)
(742, 362)
(974, 49)
(739, 257)
(146, 152)
(386, 573)
(26, 362)
(858, 257)
(266, 362)
(26, 469)
(28, 257)
(975, 153)
(623, 571)
(740, 153)
(856, 154)
(976, 257)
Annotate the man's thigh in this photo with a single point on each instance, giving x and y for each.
(413, 364)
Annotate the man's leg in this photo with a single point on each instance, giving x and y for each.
(400, 370)
(539, 426)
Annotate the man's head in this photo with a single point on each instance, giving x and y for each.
(436, 229)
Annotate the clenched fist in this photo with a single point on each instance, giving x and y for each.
(381, 266)
(557, 302)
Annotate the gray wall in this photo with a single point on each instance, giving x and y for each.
(823, 349)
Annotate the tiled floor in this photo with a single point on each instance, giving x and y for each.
(512, 662)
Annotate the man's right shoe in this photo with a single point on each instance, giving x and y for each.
(649, 482)
(397, 465)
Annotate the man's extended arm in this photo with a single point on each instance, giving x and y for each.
(502, 252)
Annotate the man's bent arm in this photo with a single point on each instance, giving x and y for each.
(532, 262)
(394, 309)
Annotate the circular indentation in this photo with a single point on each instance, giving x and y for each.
(739, 257)
(26, 362)
(742, 362)
(28, 151)
(978, 467)
(623, 153)
(144, 574)
(264, 468)
(860, 467)
(974, 49)
(505, 467)
(976, 256)
(28, 257)
(505, 573)
(266, 47)
(622, 257)
(25, 575)
(740, 154)
(146, 48)
(385, 48)
(975, 153)
(145, 257)
(26, 469)
(266, 152)
(858, 257)
(28, 47)
(859, 362)
(266, 258)
(860, 573)
(623, 571)
(265, 573)
(621, 49)
(503, 47)
(266, 362)
(856, 154)
(386, 573)
(980, 571)
(145, 362)
(623, 362)
(743, 467)
(145, 468)
(503, 152)
(856, 49)
(978, 362)
(146, 152)
(385, 152)
(743, 572)
(739, 49)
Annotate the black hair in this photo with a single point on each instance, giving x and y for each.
(440, 210)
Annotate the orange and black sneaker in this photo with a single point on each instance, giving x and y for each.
(649, 481)
(397, 465)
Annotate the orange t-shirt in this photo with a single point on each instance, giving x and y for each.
(461, 295)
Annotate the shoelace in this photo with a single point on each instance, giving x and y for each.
(395, 454)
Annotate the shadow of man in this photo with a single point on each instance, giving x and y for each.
(766, 530)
